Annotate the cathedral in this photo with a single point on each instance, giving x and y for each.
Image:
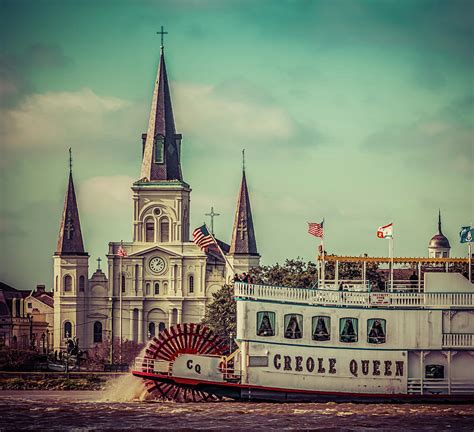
(160, 278)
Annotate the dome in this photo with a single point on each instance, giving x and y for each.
(439, 241)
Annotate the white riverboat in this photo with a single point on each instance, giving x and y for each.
(412, 343)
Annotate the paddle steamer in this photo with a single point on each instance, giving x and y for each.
(412, 342)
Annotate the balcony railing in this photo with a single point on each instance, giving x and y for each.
(354, 298)
(458, 340)
(429, 386)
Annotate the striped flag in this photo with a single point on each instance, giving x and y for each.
(121, 251)
(385, 231)
(202, 237)
(316, 229)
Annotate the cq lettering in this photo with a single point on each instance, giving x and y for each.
(197, 368)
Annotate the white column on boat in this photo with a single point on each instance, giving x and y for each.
(364, 273)
(419, 276)
(449, 372)
(447, 267)
(421, 372)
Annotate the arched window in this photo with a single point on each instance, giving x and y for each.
(159, 146)
(164, 230)
(191, 284)
(161, 326)
(150, 231)
(56, 283)
(67, 330)
(97, 332)
(147, 288)
(123, 283)
(157, 288)
(82, 283)
(67, 283)
(151, 329)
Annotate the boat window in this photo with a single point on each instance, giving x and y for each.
(434, 371)
(348, 328)
(376, 331)
(321, 328)
(293, 326)
(265, 323)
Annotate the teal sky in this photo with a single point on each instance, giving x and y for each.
(361, 112)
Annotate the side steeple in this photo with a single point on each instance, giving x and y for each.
(161, 143)
(243, 234)
(70, 235)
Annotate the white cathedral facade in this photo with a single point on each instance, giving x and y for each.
(164, 278)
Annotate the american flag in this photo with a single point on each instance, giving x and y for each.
(121, 251)
(202, 237)
(316, 229)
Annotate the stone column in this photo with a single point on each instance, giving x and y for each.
(179, 318)
(140, 326)
(170, 318)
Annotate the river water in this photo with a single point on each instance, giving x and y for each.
(118, 408)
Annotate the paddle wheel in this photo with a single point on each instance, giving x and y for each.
(181, 339)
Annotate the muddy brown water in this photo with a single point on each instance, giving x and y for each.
(95, 410)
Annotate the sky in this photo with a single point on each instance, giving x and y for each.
(360, 112)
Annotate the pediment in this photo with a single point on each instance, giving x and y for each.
(153, 249)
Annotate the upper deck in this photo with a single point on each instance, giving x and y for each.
(455, 295)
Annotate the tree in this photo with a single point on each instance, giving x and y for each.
(221, 314)
(293, 273)
(99, 355)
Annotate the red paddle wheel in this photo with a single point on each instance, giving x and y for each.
(181, 339)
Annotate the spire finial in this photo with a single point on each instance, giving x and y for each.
(70, 160)
(243, 160)
(162, 33)
(439, 221)
(98, 263)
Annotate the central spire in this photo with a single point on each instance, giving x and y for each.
(161, 143)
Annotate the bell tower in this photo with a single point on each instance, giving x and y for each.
(71, 273)
(161, 197)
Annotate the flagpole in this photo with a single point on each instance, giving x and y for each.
(220, 250)
(120, 303)
(391, 263)
(323, 275)
(469, 260)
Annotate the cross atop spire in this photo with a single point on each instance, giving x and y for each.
(70, 236)
(162, 33)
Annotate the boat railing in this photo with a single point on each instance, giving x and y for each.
(144, 364)
(458, 340)
(430, 386)
(353, 298)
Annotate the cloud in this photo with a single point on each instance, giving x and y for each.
(236, 113)
(445, 138)
(105, 195)
(16, 69)
(51, 119)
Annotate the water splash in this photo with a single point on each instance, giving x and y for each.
(126, 388)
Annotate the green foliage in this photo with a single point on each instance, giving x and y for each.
(293, 273)
(221, 314)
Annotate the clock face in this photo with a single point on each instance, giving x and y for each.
(157, 264)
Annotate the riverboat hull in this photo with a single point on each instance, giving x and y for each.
(246, 392)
